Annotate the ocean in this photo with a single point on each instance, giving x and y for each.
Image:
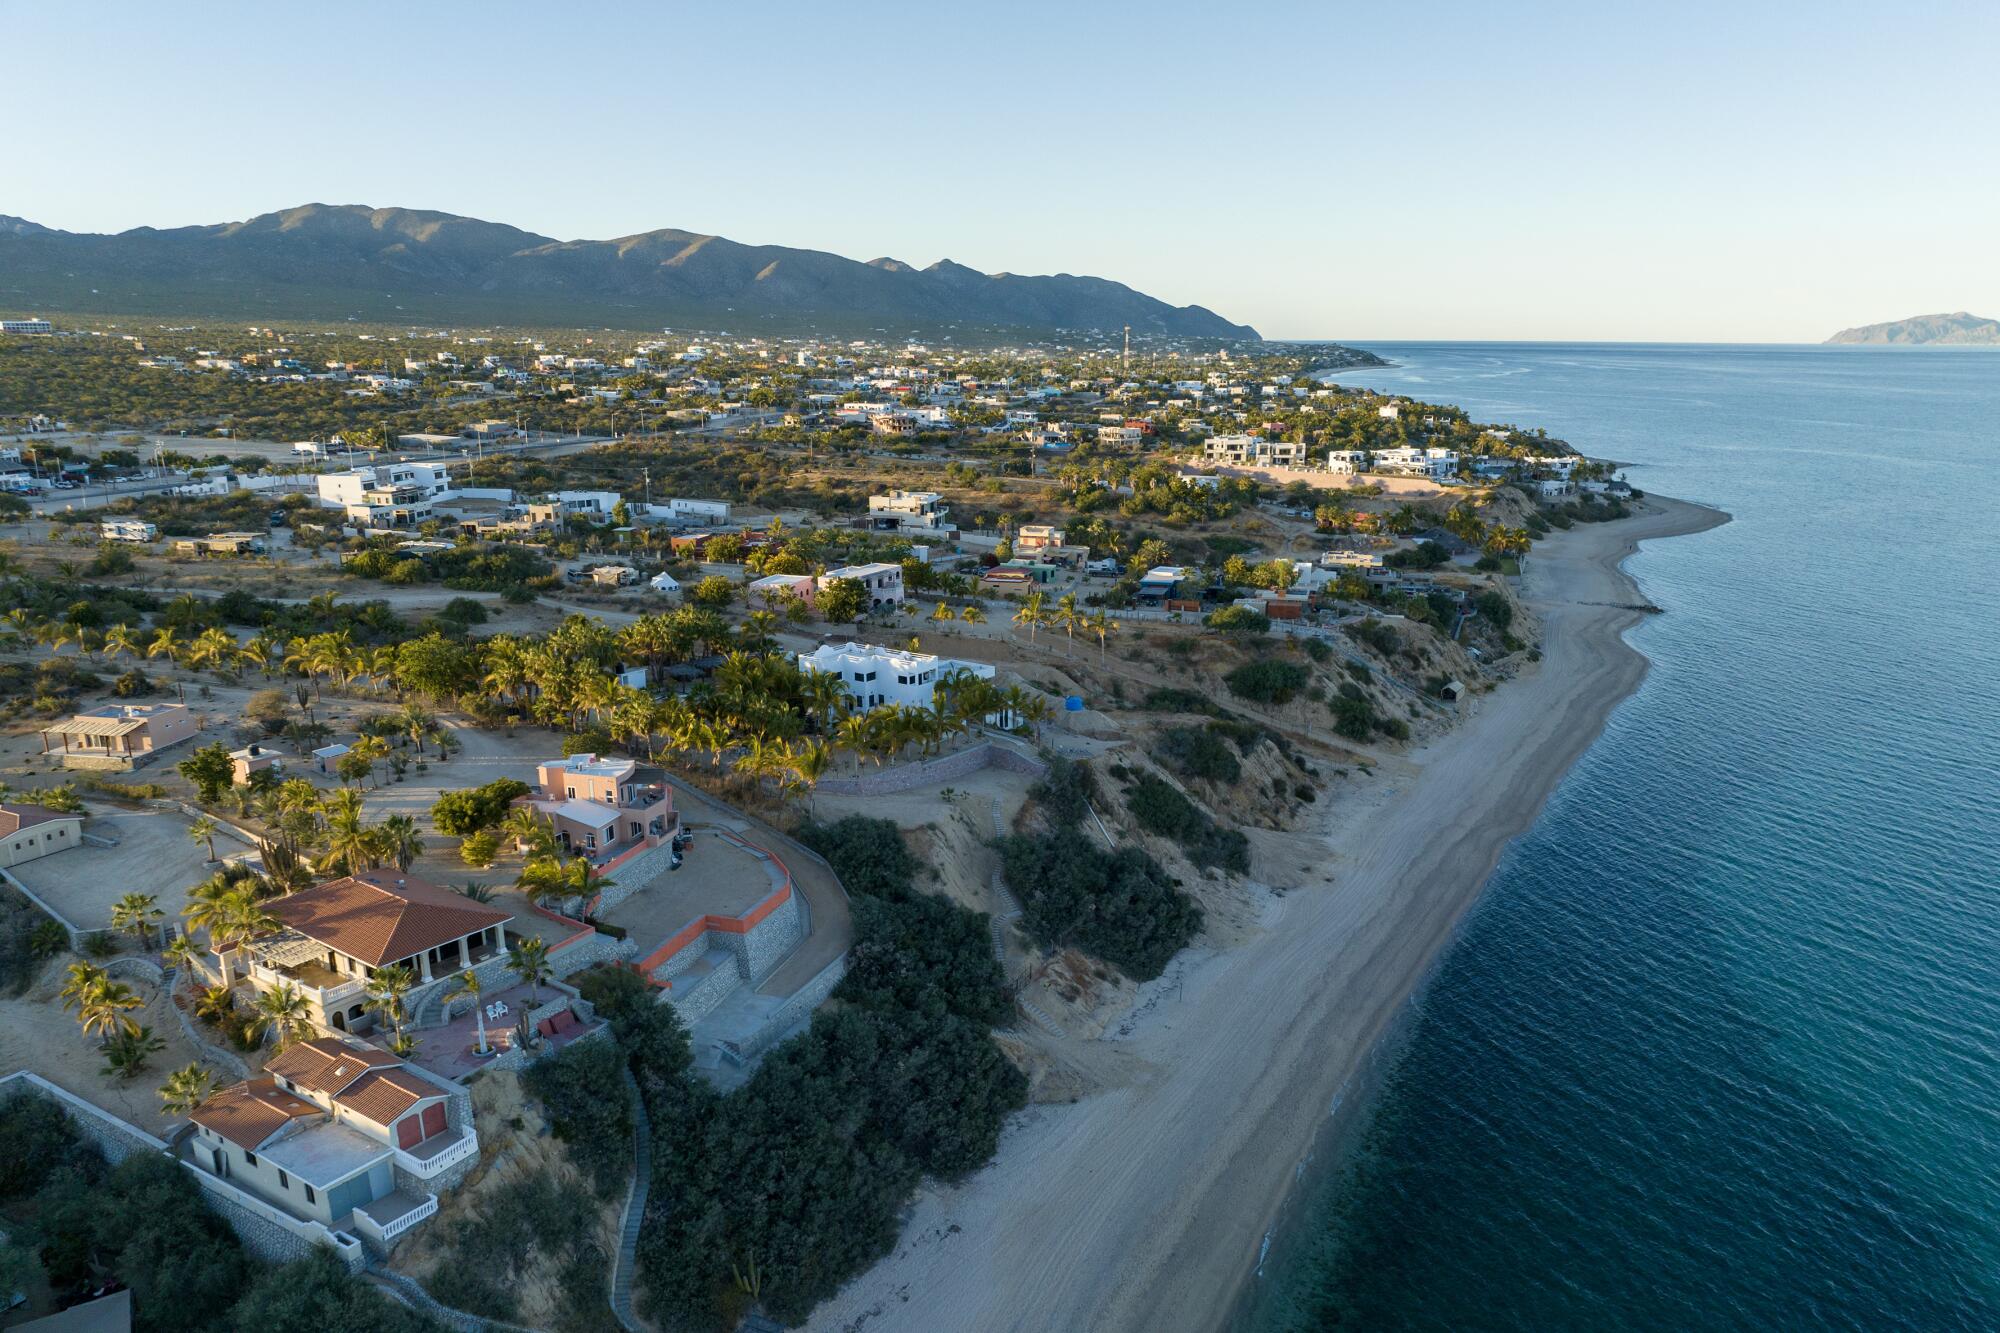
(1719, 1047)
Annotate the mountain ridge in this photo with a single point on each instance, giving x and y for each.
(1956, 329)
(335, 261)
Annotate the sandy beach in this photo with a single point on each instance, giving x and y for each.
(1144, 1207)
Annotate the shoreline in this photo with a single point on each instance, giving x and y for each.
(1148, 1206)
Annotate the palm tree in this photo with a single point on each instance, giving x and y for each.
(183, 955)
(1103, 626)
(185, 1089)
(102, 1011)
(417, 725)
(138, 913)
(401, 841)
(283, 1009)
(854, 734)
(204, 829)
(473, 889)
(1067, 618)
(468, 985)
(810, 762)
(120, 642)
(386, 990)
(942, 612)
(347, 840)
(530, 831)
(529, 959)
(1032, 615)
(80, 982)
(126, 1049)
(164, 644)
(971, 614)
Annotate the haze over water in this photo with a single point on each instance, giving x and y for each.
(1720, 1045)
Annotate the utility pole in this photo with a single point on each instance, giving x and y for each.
(1125, 363)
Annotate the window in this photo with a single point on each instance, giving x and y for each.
(284, 1181)
(310, 1196)
(249, 1158)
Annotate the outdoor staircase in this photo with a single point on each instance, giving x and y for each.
(1042, 1020)
(635, 1210)
(1010, 907)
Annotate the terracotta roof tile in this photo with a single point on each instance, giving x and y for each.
(382, 917)
(326, 1064)
(249, 1113)
(383, 1094)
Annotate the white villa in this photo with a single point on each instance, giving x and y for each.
(883, 583)
(396, 495)
(875, 675)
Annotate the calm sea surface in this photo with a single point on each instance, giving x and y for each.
(1720, 1046)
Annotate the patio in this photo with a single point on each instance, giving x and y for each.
(450, 1049)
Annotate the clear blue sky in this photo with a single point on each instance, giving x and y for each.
(1746, 171)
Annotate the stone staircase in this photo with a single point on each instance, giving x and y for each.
(635, 1210)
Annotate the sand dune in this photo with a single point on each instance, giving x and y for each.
(1143, 1208)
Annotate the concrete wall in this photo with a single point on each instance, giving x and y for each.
(265, 1231)
(700, 999)
(950, 768)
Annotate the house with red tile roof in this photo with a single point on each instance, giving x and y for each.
(354, 1138)
(334, 937)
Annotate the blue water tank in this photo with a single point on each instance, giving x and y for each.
(1073, 704)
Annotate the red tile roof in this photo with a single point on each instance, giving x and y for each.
(327, 1064)
(383, 1094)
(249, 1113)
(383, 917)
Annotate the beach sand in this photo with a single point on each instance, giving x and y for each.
(1144, 1207)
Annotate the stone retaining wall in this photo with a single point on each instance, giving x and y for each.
(952, 767)
(265, 1232)
(794, 1010)
(700, 999)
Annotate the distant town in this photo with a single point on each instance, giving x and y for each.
(569, 829)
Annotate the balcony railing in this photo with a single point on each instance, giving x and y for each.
(385, 1230)
(425, 1162)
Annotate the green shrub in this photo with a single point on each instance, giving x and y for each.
(1065, 791)
(867, 854)
(1269, 680)
(1160, 809)
(582, 1092)
(459, 814)
(1119, 906)
(1198, 752)
(1239, 623)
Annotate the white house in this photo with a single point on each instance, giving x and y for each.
(904, 511)
(698, 511)
(594, 505)
(393, 495)
(875, 675)
(883, 583)
(1346, 462)
(31, 831)
(1255, 451)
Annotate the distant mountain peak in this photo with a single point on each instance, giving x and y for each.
(1959, 328)
(336, 261)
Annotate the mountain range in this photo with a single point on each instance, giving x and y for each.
(1958, 328)
(396, 265)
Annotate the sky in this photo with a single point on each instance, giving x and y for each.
(1745, 172)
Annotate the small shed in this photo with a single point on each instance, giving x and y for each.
(1452, 690)
(327, 756)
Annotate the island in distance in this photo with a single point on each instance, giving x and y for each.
(1956, 329)
(355, 262)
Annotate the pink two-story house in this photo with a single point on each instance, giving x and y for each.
(603, 808)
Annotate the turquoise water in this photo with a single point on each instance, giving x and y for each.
(1720, 1046)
